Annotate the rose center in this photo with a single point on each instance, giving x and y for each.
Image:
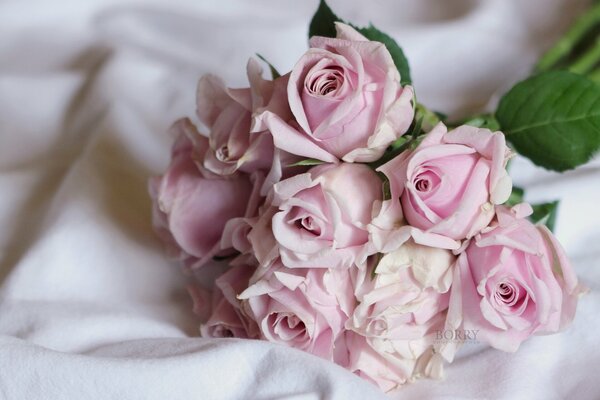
(308, 223)
(222, 153)
(511, 295)
(326, 82)
(287, 326)
(378, 327)
(423, 185)
(426, 182)
(506, 292)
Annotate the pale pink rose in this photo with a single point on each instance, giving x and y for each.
(387, 231)
(513, 281)
(235, 235)
(192, 205)
(318, 218)
(304, 308)
(347, 100)
(233, 144)
(228, 318)
(202, 300)
(400, 310)
(450, 183)
(372, 366)
(386, 370)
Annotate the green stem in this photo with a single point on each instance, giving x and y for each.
(568, 42)
(595, 75)
(588, 60)
(487, 121)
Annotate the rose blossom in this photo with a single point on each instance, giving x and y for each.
(192, 205)
(228, 319)
(512, 281)
(347, 100)
(305, 308)
(450, 182)
(386, 370)
(400, 310)
(318, 218)
(228, 113)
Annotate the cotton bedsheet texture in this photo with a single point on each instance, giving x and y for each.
(90, 307)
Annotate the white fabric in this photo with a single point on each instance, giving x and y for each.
(90, 308)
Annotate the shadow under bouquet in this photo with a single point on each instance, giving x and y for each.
(363, 228)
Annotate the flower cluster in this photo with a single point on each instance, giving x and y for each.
(337, 252)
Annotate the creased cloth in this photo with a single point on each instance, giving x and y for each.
(91, 308)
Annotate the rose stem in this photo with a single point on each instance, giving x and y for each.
(595, 75)
(567, 43)
(588, 60)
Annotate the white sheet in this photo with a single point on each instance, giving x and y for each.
(90, 308)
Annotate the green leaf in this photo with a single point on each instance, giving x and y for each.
(545, 214)
(516, 196)
(307, 162)
(323, 22)
(396, 52)
(553, 119)
(274, 73)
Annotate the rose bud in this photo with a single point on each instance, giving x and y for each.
(228, 115)
(192, 205)
(228, 318)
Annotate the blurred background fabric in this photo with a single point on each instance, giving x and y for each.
(91, 308)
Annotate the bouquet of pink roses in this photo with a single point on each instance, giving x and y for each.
(356, 225)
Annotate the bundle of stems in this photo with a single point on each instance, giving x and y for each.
(579, 49)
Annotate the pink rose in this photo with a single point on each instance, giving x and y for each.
(192, 205)
(347, 100)
(305, 308)
(364, 361)
(318, 218)
(450, 183)
(512, 281)
(401, 308)
(385, 370)
(228, 319)
(228, 113)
